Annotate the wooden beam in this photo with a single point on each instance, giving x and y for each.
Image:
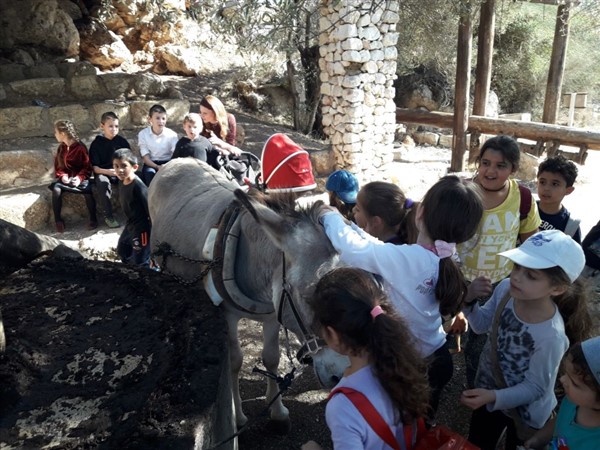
(485, 48)
(461, 91)
(534, 131)
(557, 64)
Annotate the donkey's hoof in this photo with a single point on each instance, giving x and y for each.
(279, 427)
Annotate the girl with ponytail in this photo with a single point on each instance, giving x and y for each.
(422, 280)
(357, 320)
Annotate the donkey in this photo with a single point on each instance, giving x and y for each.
(276, 253)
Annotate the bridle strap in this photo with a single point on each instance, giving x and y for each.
(312, 344)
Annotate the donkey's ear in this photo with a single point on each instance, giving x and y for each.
(276, 227)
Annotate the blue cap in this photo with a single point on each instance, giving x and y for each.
(591, 351)
(344, 184)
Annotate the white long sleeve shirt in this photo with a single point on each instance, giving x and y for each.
(528, 353)
(409, 272)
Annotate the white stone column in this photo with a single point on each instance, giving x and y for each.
(358, 67)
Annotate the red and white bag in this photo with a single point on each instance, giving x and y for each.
(286, 166)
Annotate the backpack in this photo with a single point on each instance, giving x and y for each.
(526, 201)
(572, 226)
(436, 438)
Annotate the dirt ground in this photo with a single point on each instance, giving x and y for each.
(104, 356)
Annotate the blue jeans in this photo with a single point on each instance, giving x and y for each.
(149, 172)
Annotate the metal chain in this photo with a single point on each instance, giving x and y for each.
(165, 250)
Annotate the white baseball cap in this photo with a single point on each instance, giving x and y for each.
(549, 248)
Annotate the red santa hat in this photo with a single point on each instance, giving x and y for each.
(286, 166)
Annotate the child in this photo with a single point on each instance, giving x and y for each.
(577, 426)
(422, 280)
(196, 145)
(219, 125)
(343, 189)
(134, 242)
(532, 317)
(73, 170)
(555, 179)
(383, 211)
(591, 249)
(101, 156)
(357, 320)
(510, 214)
(157, 143)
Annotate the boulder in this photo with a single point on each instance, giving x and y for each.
(323, 161)
(39, 88)
(11, 72)
(426, 137)
(78, 114)
(29, 210)
(25, 168)
(75, 69)
(102, 47)
(38, 22)
(87, 87)
(528, 167)
(19, 247)
(21, 122)
(177, 59)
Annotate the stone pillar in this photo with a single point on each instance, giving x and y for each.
(358, 66)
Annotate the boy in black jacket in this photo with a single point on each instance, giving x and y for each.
(134, 243)
(101, 156)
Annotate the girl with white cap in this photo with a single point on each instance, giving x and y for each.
(531, 318)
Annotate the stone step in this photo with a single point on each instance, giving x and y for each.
(31, 208)
(36, 121)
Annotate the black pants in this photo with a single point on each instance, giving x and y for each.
(439, 373)
(487, 427)
(58, 189)
(104, 186)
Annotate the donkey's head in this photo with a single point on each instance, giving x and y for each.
(307, 254)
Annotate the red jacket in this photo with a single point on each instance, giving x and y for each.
(72, 161)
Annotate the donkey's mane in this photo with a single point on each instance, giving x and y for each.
(284, 203)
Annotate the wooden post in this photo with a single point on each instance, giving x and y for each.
(461, 90)
(557, 64)
(483, 71)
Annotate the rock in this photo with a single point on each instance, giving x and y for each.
(25, 168)
(42, 23)
(177, 59)
(22, 122)
(76, 69)
(528, 167)
(42, 71)
(103, 47)
(79, 114)
(426, 137)
(323, 161)
(11, 72)
(148, 84)
(22, 57)
(37, 88)
(101, 245)
(70, 8)
(19, 247)
(87, 87)
(29, 211)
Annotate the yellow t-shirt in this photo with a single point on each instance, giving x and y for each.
(498, 231)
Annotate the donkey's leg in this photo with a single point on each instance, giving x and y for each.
(235, 359)
(270, 357)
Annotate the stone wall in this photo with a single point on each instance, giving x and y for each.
(358, 66)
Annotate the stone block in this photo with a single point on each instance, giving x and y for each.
(176, 110)
(28, 210)
(42, 71)
(528, 166)
(426, 137)
(11, 72)
(87, 87)
(121, 109)
(116, 84)
(41, 88)
(76, 69)
(21, 122)
(445, 140)
(78, 114)
(323, 161)
(20, 168)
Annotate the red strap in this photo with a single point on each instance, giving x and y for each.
(373, 418)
